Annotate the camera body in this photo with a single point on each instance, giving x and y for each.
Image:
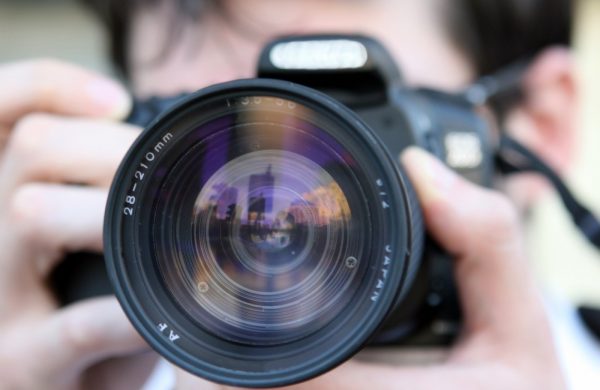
(348, 116)
(444, 124)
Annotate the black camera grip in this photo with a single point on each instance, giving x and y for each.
(80, 276)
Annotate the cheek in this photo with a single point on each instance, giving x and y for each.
(417, 37)
(201, 56)
(422, 67)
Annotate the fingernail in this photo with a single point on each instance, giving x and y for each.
(110, 97)
(431, 178)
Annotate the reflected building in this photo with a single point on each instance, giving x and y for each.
(305, 213)
(260, 195)
(226, 202)
(330, 202)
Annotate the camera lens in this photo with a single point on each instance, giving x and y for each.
(258, 234)
(256, 248)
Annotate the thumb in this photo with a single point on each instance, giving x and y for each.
(480, 228)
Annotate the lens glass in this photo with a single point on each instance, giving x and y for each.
(259, 223)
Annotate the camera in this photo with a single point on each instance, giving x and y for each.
(261, 232)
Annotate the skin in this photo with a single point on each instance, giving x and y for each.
(59, 125)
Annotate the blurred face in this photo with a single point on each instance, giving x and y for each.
(225, 43)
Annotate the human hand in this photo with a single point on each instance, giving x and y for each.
(507, 343)
(60, 145)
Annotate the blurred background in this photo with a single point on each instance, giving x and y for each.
(565, 263)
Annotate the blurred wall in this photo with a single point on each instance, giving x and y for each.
(563, 259)
(57, 28)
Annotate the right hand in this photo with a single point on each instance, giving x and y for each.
(507, 342)
(60, 145)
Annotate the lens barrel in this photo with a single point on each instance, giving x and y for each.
(259, 233)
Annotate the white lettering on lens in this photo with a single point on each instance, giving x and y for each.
(351, 262)
(159, 147)
(140, 174)
(161, 144)
(383, 195)
(130, 200)
(203, 287)
(387, 261)
(162, 327)
(375, 296)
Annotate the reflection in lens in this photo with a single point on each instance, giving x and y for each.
(268, 227)
(258, 253)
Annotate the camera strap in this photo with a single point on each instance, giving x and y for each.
(513, 157)
(500, 91)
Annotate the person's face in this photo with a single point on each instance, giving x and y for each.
(224, 44)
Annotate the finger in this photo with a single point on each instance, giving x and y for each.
(186, 381)
(480, 228)
(4, 134)
(65, 150)
(353, 375)
(57, 87)
(83, 334)
(138, 368)
(54, 220)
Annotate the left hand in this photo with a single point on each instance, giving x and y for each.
(60, 144)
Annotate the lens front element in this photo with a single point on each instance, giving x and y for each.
(258, 234)
(260, 257)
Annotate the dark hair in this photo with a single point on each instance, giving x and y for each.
(496, 33)
(492, 33)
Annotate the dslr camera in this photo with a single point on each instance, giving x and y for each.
(261, 232)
